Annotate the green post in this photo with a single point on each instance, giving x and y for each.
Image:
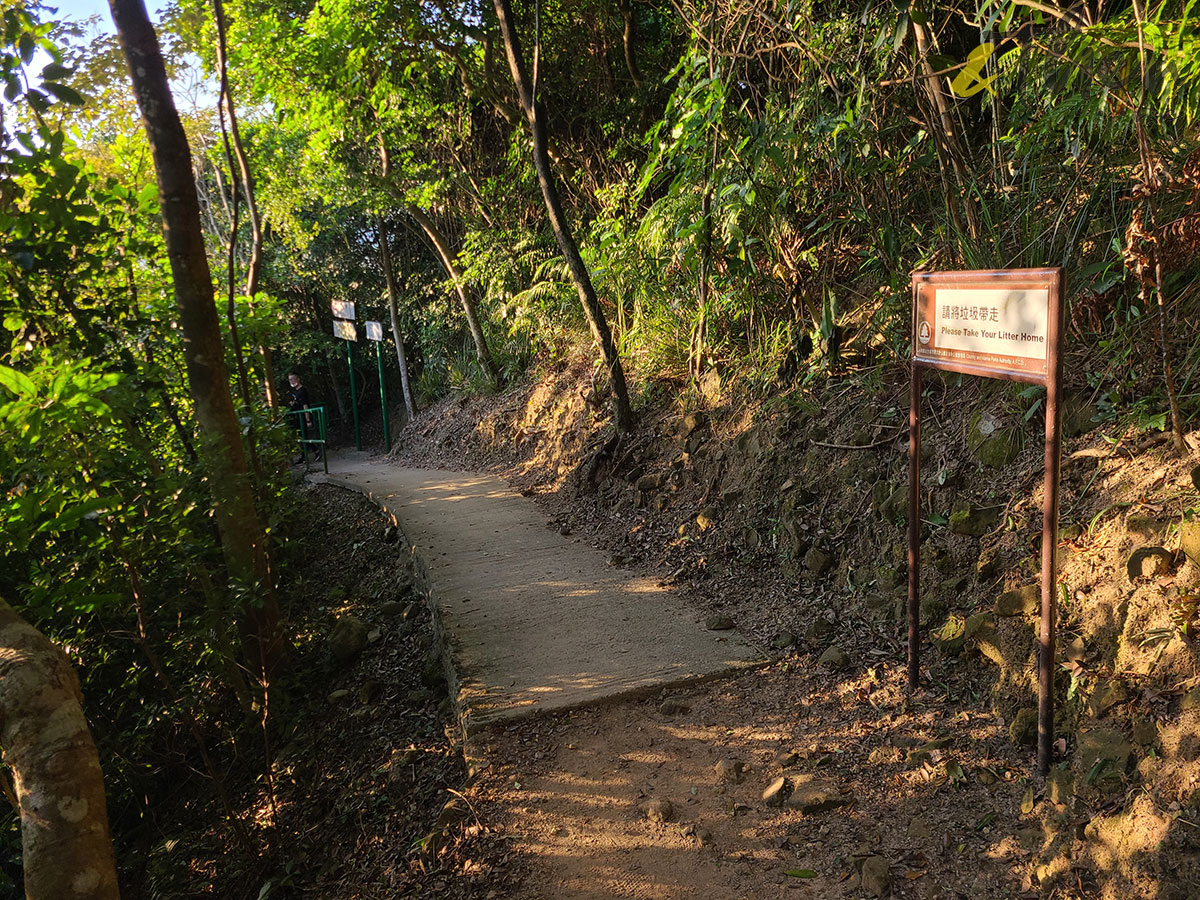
(387, 435)
(353, 399)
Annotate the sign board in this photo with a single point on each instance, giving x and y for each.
(1003, 324)
(345, 330)
(342, 309)
(997, 324)
(374, 331)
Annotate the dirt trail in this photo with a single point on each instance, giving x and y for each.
(814, 779)
(534, 621)
(919, 804)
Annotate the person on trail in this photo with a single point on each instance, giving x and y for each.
(300, 400)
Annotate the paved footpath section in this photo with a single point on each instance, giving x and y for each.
(535, 621)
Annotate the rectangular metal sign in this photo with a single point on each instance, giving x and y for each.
(374, 331)
(345, 330)
(998, 324)
(1003, 324)
(342, 309)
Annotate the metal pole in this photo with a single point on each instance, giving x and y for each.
(353, 399)
(387, 435)
(1049, 539)
(914, 529)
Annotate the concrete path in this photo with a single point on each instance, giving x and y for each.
(534, 621)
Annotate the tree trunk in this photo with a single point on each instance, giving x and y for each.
(623, 412)
(243, 539)
(629, 40)
(254, 268)
(945, 135)
(460, 285)
(389, 276)
(60, 790)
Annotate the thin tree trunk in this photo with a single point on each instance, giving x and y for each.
(389, 276)
(629, 40)
(254, 267)
(65, 840)
(465, 295)
(1150, 181)
(946, 138)
(243, 539)
(623, 411)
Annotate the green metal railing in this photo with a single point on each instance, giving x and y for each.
(305, 429)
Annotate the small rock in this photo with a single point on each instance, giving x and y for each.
(706, 518)
(730, 770)
(673, 707)
(374, 635)
(1023, 729)
(818, 629)
(973, 520)
(785, 759)
(658, 810)
(718, 623)
(691, 422)
(1071, 532)
(1191, 700)
(776, 792)
(1145, 731)
(347, 639)
(1024, 601)
(876, 877)
(951, 637)
(834, 658)
(992, 442)
(977, 624)
(392, 607)
(1060, 786)
(1149, 562)
(565, 530)
(390, 534)
(783, 640)
(647, 483)
(816, 561)
(813, 795)
(368, 691)
(1106, 744)
(1189, 540)
(1104, 698)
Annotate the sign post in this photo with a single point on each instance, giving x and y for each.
(375, 333)
(343, 327)
(1008, 325)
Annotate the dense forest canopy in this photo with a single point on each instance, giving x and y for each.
(748, 186)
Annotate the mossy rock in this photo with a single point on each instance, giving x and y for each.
(1023, 601)
(1189, 540)
(991, 442)
(951, 637)
(973, 521)
(1023, 729)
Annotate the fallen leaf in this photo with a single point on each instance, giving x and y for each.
(1027, 802)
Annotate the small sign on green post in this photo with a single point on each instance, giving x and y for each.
(343, 327)
(375, 333)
